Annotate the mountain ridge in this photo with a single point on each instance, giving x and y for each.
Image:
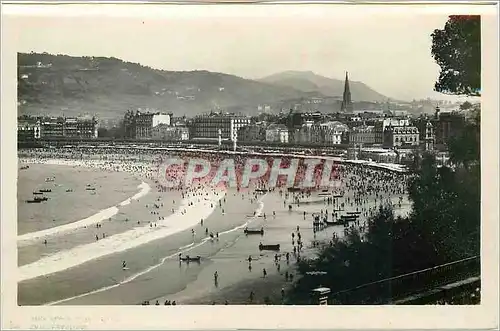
(311, 82)
(106, 86)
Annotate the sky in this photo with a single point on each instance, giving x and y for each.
(388, 51)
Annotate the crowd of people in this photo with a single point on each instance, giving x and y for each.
(357, 187)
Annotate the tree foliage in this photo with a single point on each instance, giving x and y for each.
(457, 50)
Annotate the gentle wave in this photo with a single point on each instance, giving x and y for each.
(174, 223)
(182, 250)
(100, 216)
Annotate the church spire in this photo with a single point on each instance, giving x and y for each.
(346, 106)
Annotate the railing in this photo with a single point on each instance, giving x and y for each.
(391, 289)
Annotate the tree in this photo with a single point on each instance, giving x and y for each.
(466, 105)
(457, 50)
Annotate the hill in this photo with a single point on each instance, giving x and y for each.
(61, 84)
(308, 81)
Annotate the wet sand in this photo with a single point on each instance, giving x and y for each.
(126, 219)
(107, 271)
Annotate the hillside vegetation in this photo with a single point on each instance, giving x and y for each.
(61, 84)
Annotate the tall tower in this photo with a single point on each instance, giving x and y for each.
(429, 136)
(346, 106)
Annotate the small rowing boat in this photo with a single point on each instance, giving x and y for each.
(45, 190)
(188, 258)
(275, 247)
(349, 217)
(333, 223)
(254, 231)
(33, 201)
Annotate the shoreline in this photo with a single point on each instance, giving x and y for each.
(138, 236)
(162, 263)
(234, 281)
(96, 218)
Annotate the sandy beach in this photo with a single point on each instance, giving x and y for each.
(84, 265)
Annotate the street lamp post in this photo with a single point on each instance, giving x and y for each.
(235, 138)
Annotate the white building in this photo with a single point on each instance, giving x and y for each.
(277, 133)
(333, 131)
(161, 118)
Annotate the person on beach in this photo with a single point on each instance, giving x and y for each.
(251, 296)
(264, 272)
(45, 242)
(124, 264)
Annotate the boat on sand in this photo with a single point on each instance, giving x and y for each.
(254, 231)
(274, 247)
(188, 258)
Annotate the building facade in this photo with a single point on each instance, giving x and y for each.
(208, 126)
(252, 133)
(170, 133)
(139, 125)
(381, 125)
(448, 125)
(277, 133)
(28, 129)
(364, 135)
(333, 132)
(401, 136)
(85, 127)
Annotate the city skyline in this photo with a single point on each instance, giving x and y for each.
(388, 52)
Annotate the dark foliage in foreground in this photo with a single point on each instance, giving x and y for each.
(457, 50)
